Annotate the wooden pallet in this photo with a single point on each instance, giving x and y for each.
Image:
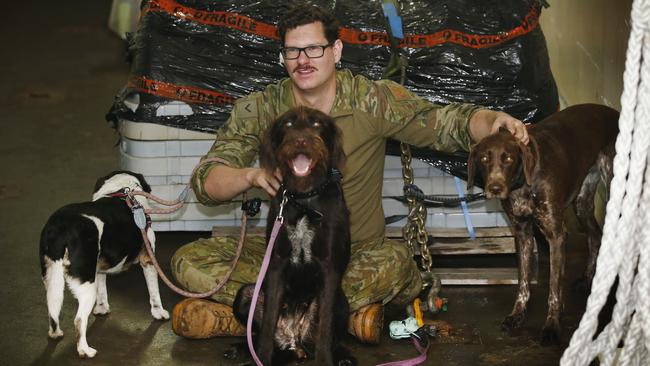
(452, 242)
(489, 241)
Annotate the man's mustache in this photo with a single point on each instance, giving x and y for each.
(305, 68)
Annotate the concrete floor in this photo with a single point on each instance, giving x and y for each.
(60, 70)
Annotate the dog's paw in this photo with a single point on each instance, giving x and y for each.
(86, 352)
(55, 334)
(159, 313)
(347, 362)
(550, 333)
(512, 322)
(238, 350)
(231, 353)
(101, 309)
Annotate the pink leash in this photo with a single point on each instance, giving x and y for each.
(260, 278)
(411, 361)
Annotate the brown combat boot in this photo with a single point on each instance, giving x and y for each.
(201, 319)
(367, 323)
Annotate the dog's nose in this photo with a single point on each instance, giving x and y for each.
(495, 189)
(301, 142)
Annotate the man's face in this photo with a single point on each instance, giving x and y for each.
(311, 73)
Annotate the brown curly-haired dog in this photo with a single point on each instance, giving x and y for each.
(303, 304)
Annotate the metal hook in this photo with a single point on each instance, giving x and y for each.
(282, 203)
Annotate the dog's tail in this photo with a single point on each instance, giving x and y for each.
(52, 255)
(53, 272)
(54, 281)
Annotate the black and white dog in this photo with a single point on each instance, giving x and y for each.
(82, 242)
(303, 307)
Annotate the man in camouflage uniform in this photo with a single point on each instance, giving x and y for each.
(367, 112)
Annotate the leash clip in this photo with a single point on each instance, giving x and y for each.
(139, 216)
(183, 195)
(284, 201)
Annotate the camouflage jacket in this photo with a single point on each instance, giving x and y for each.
(367, 112)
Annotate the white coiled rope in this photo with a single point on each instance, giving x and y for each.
(625, 250)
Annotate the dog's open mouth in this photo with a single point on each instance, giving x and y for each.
(301, 165)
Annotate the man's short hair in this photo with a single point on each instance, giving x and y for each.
(306, 14)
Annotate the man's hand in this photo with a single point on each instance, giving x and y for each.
(223, 183)
(258, 177)
(486, 122)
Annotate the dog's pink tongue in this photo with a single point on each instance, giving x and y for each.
(301, 165)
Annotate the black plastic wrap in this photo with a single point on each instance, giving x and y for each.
(206, 60)
(491, 53)
(479, 57)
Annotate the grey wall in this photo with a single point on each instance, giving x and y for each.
(587, 42)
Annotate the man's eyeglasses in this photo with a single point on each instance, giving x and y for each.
(315, 51)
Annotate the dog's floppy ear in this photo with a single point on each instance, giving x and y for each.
(143, 182)
(470, 167)
(337, 155)
(102, 180)
(528, 162)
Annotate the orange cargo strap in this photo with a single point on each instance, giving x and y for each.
(352, 36)
(187, 94)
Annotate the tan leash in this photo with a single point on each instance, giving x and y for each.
(142, 220)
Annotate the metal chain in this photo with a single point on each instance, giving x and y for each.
(414, 231)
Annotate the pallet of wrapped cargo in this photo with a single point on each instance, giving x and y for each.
(191, 60)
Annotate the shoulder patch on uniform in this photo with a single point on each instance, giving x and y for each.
(398, 91)
(246, 108)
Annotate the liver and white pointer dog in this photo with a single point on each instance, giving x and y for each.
(303, 305)
(83, 242)
(568, 154)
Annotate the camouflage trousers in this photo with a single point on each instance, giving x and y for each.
(379, 270)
